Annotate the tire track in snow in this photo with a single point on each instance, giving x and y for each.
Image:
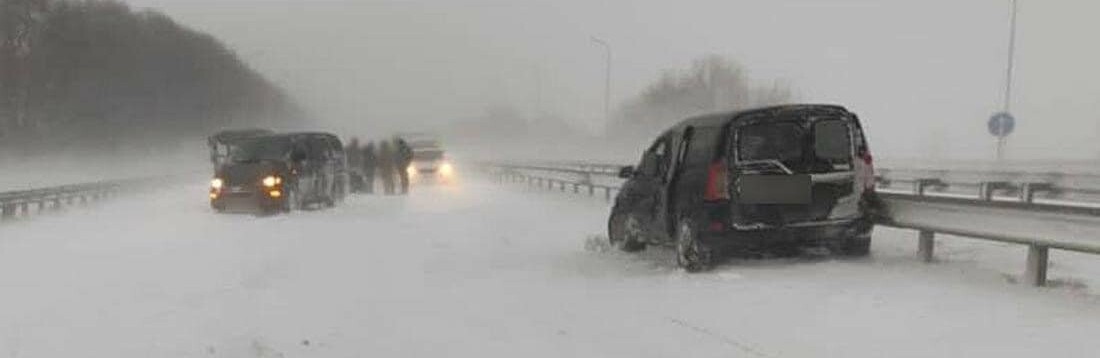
(744, 347)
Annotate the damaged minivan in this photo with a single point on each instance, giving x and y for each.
(777, 177)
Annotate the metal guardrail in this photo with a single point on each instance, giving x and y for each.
(926, 208)
(18, 203)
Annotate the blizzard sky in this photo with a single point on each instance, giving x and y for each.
(923, 75)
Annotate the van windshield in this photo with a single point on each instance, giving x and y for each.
(260, 149)
(427, 154)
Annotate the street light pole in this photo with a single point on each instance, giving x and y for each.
(1007, 105)
(607, 80)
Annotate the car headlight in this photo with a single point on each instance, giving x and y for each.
(411, 170)
(446, 169)
(217, 183)
(271, 181)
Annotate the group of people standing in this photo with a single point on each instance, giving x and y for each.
(388, 161)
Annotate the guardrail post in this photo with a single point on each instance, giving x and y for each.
(607, 193)
(1037, 258)
(921, 185)
(576, 188)
(986, 189)
(926, 245)
(591, 190)
(24, 209)
(1028, 190)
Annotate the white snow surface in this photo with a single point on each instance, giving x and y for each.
(482, 270)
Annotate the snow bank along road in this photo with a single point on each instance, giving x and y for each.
(480, 270)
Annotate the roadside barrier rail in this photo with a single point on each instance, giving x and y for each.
(24, 203)
(1009, 207)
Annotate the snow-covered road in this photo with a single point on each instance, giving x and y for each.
(479, 270)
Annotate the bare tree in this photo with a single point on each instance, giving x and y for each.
(711, 84)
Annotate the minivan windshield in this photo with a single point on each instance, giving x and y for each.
(260, 149)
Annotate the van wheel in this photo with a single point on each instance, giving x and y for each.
(691, 253)
(625, 232)
(858, 246)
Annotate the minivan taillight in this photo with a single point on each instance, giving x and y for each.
(865, 155)
(867, 175)
(717, 188)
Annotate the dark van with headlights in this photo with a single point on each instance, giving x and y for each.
(784, 176)
(281, 173)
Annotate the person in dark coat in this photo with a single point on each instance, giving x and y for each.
(370, 165)
(352, 152)
(403, 156)
(386, 166)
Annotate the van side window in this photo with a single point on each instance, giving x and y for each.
(860, 141)
(703, 146)
(832, 141)
(656, 158)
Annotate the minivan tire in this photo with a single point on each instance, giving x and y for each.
(625, 232)
(692, 254)
(859, 246)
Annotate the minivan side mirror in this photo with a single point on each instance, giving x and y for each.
(626, 172)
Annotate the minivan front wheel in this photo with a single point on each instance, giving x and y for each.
(625, 232)
(691, 253)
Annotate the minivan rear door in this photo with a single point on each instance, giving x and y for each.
(792, 170)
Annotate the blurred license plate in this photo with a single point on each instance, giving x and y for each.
(775, 189)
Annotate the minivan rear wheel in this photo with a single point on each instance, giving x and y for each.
(625, 232)
(859, 246)
(691, 253)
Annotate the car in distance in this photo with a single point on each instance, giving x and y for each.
(280, 173)
(430, 165)
(783, 176)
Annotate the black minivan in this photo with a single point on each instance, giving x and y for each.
(280, 173)
(783, 176)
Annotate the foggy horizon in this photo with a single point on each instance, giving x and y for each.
(925, 79)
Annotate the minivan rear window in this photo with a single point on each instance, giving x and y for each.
(770, 141)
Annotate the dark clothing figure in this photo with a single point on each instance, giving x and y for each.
(403, 157)
(370, 165)
(352, 152)
(386, 167)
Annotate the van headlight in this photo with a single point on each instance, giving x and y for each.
(271, 181)
(446, 170)
(217, 183)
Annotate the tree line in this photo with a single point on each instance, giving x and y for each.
(711, 84)
(95, 74)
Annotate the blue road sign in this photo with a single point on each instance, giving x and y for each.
(1001, 124)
